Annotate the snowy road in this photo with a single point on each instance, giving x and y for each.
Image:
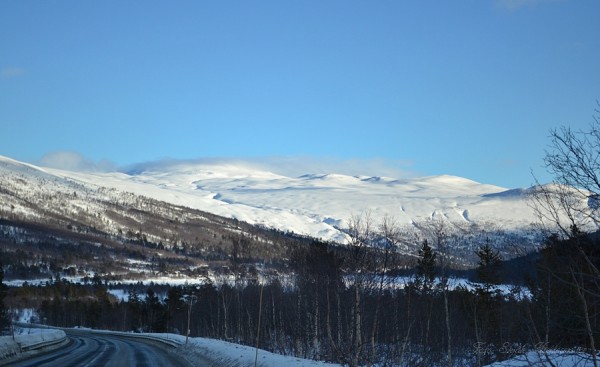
(91, 350)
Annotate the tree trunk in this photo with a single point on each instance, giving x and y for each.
(477, 337)
(357, 328)
(315, 343)
(586, 316)
(448, 330)
(224, 315)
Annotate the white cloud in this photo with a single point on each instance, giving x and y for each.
(298, 165)
(293, 166)
(73, 161)
(12, 72)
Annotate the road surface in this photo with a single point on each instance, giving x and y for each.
(87, 349)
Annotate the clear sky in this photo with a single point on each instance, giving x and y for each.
(468, 88)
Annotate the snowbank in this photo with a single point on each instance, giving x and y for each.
(210, 352)
(550, 358)
(29, 342)
(223, 353)
(213, 352)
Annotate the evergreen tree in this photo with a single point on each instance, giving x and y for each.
(566, 290)
(156, 315)
(4, 319)
(425, 268)
(135, 309)
(488, 266)
(175, 307)
(487, 300)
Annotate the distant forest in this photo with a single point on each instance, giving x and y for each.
(344, 307)
(381, 299)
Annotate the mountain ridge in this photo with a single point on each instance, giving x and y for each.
(317, 205)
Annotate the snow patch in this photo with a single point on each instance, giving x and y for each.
(548, 358)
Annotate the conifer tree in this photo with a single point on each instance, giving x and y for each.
(4, 319)
(487, 299)
(426, 268)
(488, 266)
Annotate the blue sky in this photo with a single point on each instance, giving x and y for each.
(468, 88)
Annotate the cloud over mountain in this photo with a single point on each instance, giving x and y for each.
(73, 161)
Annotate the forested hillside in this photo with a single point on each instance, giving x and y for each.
(339, 308)
(438, 294)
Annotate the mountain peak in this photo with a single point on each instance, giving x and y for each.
(307, 204)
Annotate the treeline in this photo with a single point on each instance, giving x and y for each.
(348, 308)
(38, 251)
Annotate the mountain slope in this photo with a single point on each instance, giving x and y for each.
(314, 205)
(49, 222)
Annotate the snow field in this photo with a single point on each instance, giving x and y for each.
(316, 205)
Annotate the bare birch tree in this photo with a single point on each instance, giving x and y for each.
(571, 203)
(437, 230)
(360, 236)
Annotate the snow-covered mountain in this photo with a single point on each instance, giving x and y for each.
(317, 205)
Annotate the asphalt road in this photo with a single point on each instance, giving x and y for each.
(94, 350)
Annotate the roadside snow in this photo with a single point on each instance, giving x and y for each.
(228, 354)
(211, 351)
(214, 352)
(24, 339)
(221, 353)
(550, 358)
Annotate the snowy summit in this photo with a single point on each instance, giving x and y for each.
(317, 205)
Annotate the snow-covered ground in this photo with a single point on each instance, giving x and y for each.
(548, 358)
(316, 205)
(25, 337)
(39, 281)
(217, 351)
(229, 354)
(311, 204)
